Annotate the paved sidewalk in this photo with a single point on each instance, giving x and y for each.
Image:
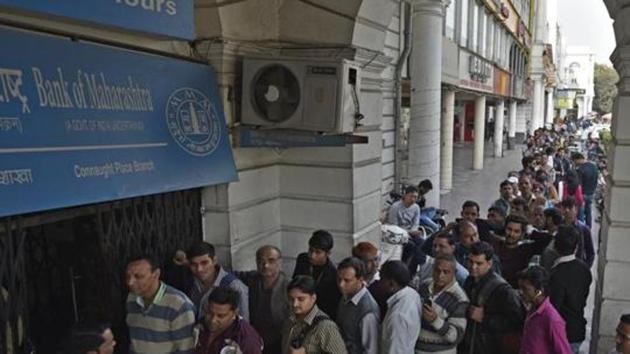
(480, 186)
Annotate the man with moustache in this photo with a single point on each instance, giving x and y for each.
(268, 302)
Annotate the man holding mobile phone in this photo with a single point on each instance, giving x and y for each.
(443, 310)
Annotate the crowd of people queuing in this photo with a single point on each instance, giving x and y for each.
(514, 282)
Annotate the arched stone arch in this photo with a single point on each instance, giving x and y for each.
(326, 23)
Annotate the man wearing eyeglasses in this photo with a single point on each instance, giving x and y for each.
(268, 302)
(622, 338)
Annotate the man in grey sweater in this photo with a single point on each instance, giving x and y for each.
(358, 312)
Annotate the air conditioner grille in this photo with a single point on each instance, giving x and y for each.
(276, 93)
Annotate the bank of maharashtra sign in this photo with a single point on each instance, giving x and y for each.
(170, 18)
(82, 123)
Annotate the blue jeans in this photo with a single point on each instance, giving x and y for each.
(426, 220)
(588, 211)
(575, 347)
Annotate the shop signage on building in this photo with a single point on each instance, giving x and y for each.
(501, 82)
(171, 18)
(475, 72)
(83, 123)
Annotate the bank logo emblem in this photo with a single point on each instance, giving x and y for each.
(193, 121)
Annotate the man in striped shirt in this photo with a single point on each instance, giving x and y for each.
(160, 318)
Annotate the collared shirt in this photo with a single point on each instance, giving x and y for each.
(368, 325)
(563, 259)
(323, 338)
(401, 325)
(544, 332)
(164, 326)
(200, 298)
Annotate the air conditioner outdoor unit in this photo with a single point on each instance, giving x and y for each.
(291, 94)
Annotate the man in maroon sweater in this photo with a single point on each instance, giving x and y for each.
(224, 327)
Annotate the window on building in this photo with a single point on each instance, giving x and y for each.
(490, 39)
(449, 21)
(463, 29)
(474, 24)
(483, 31)
(498, 31)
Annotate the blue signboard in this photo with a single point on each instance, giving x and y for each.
(171, 18)
(83, 123)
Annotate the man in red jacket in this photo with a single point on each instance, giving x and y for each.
(224, 327)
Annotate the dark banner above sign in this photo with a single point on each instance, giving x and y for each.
(84, 123)
(171, 18)
(280, 138)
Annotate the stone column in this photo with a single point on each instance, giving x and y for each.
(612, 294)
(537, 109)
(426, 69)
(549, 113)
(446, 152)
(498, 128)
(512, 123)
(480, 127)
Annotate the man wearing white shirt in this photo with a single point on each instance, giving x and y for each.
(401, 325)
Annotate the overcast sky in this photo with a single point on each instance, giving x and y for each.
(586, 23)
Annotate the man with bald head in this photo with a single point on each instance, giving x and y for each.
(467, 234)
(268, 302)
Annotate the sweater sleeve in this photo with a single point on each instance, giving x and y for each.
(369, 333)
(452, 329)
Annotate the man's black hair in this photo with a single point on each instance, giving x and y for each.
(555, 215)
(446, 258)
(321, 240)
(200, 248)
(568, 202)
(566, 240)
(470, 203)
(520, 201)
(426, 184)
(304, 283)
(447, 236)
(151, 259)
(505, 183)
(354, 263)
(577, 156)
(498, 210)
(625, 319)
(482, 248)
(225, 296)
(537, 276)
(411, 189)
(85, 337)
(518, 219)
(550, 150)
(396, 271)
